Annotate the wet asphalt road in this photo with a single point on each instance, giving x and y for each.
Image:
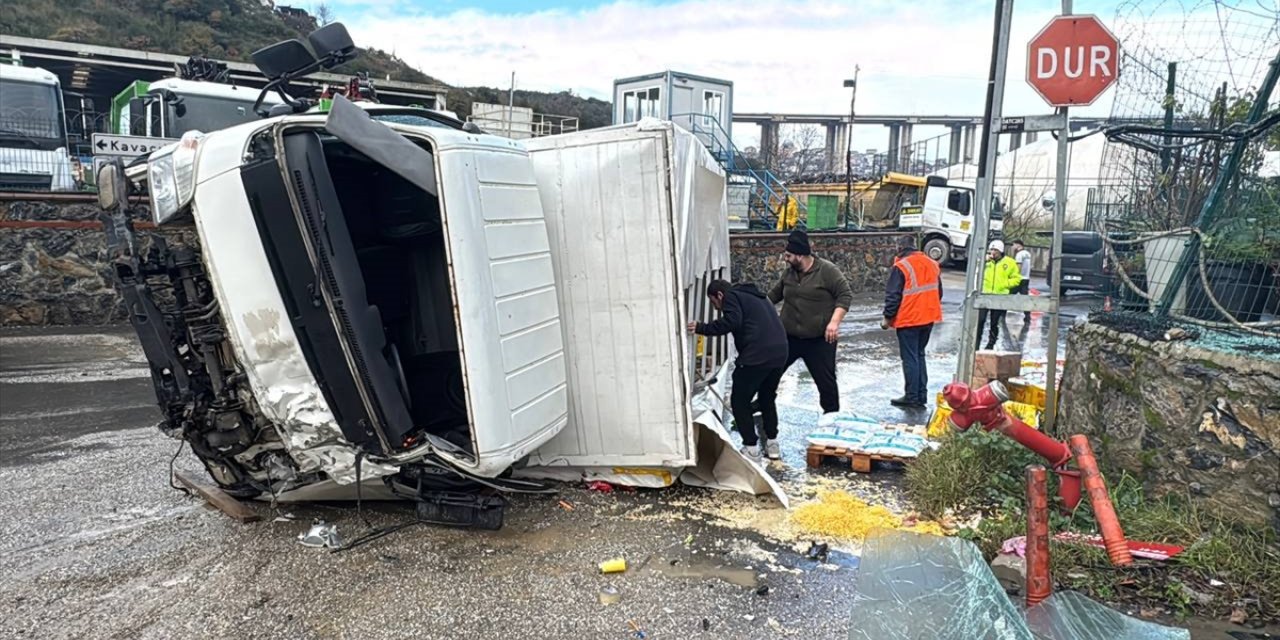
(95, 544)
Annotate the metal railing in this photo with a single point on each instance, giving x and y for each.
(769, 195)
(537, 126)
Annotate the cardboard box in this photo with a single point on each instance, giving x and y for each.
(997, 365)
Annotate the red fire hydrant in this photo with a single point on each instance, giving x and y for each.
(985, 406)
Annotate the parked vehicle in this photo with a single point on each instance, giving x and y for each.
(33, 134)
(944, 218)
(1085, 265)
(170, 107)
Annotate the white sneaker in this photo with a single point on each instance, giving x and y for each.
(753, 454)
(827, 419)
(772, 451)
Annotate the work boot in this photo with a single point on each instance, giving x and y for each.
(752, 453)
(772, 451)
(902, 402)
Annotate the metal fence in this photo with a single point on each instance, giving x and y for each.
(1189, 209)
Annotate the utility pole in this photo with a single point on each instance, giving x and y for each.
(511, 104)
(986, 189)
(848, 147)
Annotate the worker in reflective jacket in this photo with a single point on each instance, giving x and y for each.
(912, 305)
(1000, 276)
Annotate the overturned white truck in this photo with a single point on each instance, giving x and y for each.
(377, 304)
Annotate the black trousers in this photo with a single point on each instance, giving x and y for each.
(760, 383)
(911, 344)
(997, 320)
(820, 359)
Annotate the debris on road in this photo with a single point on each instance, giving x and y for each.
(610, 595)
(566, 505)
(839, 514)
(321, 535)
(817, 551)
(920, 586)
(616, 565)
(600, 486)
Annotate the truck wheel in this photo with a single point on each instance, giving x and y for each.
(939, 250)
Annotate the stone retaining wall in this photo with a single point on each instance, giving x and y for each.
(53, 262)
(865, 258)
(1185, 419)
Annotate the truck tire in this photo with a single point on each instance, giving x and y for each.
(938, 249)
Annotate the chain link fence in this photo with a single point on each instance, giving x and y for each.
(1188, 202)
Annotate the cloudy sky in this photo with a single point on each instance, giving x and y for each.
(918, 57)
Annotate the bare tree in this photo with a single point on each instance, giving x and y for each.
(324, 15)
(803, 152)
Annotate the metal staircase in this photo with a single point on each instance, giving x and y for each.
(768, 195)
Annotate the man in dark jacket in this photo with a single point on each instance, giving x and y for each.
(815, 297)
(762, 355)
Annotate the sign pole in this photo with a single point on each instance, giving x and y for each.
(986, 190)
(1055, 268)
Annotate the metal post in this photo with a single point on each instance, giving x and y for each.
(1055, 278)
(511, 104)
(1166, 154)
(848, 145)
(987, 167)
(1216, 195)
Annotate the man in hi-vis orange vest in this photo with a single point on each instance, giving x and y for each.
(912, 305)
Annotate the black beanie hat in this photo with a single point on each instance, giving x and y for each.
(798, 243)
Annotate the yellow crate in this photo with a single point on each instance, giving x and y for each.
(1025, 412)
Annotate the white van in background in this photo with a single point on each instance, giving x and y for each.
(33, 133)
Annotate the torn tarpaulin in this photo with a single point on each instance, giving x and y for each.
(920, 586)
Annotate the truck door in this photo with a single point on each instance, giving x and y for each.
(505, 301)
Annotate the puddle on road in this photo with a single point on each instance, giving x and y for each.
(684, 564)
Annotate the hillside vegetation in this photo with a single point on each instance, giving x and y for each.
(232, 30)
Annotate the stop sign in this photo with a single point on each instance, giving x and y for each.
(1072, 61)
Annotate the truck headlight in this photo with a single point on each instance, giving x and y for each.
(171, 177)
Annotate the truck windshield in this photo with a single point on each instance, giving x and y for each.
(30, 115)
(207, 114)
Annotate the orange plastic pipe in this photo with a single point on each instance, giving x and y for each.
(1103, 510)
(1039, 582)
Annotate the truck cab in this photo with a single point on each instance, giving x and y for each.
(170, 107)
(945, 218)
(370, 302)
(33, 134)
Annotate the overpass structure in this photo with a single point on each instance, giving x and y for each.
(963, 134)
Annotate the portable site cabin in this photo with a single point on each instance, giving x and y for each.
(636, 216)
(696, 103)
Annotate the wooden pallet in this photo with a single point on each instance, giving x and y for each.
(860, 461)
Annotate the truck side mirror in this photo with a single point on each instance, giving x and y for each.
(332, 44)
(113, 189)
(284, 57)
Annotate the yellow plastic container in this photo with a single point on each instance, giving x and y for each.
(616, 565)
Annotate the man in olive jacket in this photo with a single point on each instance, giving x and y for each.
(814, 296)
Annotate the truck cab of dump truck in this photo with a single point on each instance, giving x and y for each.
(33, 134)
(945, 218)
(366, 302)
(170, 107)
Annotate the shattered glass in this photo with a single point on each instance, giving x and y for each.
(1067, 615)
(914, 585)
(923, 586)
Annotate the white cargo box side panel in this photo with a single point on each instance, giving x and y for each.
(607, 202)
